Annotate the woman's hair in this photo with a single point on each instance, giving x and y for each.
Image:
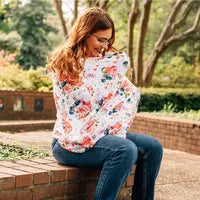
(66, 59)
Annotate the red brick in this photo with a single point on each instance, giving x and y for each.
(8, 195)
(57, 173)
(57, 190)
(183, 129)
(22, 179)
(195, 134)
(40, 193)
(25, 194)
(6, 181)
(50, 191)
(40, 161)
(76, 188)
(25, 162)
(198, 142)
(8, 164)
(91, 196)
(91, 173)
(74, 173)
(40, 176)
(58, 165)
(51, 158)
(91, 185)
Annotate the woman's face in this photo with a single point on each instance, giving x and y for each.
(98, 42)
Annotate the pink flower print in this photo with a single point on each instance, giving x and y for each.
(124, 83)
(108, 97)
(119, 106)
(115, 128)
(127, 89)
(117, 125)
(90, 89)
(68, 88)
(84, 109)
(89, 125)
(91, 76)
(87, 142)
(67, 126)
(111, 71)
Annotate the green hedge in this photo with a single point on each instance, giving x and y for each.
(154, 99)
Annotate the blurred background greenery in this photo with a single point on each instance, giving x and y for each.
(162, 39)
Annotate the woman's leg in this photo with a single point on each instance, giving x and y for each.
(148, 165)
(115, 155)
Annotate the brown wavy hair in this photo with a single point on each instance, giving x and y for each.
(65, 60)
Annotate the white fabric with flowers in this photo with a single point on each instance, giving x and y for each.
(103, 102)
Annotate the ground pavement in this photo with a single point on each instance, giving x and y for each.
(179, 177)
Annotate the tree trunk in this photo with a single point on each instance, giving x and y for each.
(104, 4)
(168, 37)
(131, 22)
(75, 11)
(140, 42)
(58, 5)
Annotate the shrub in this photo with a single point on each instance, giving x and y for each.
(14, 78)
(6, 59)
(40, 81)
(154, 99)
(176, 74)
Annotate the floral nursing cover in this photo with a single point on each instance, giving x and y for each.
(103, 102)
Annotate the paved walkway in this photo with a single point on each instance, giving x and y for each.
(179, 177)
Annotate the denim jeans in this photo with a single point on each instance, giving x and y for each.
(116, 156)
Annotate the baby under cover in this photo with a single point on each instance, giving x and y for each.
(103, 102)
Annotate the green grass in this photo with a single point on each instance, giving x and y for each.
(170, 90)
(190, 115)
(168, 111)
(10, 152)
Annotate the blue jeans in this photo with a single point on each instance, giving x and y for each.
(116, 156)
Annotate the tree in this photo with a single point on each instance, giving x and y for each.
(58, 5)
(9, 40)
(172, 32)
(30, 23)
(104, 4)
(132, 20)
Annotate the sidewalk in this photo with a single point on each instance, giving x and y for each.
(179, 177)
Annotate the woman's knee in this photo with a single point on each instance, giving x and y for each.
(156, 148)
(120, 148)
(130, 152)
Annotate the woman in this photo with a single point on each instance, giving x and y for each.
(95, 106)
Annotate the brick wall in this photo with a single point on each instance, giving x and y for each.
(173, 134)
(183, 135)
(29, 100)
(46, 179)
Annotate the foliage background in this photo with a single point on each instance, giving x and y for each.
(29, 32)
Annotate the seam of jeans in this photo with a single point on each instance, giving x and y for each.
(105, 175)
(144, 172)
(54, 143)
(111, 149)
(104, 178)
